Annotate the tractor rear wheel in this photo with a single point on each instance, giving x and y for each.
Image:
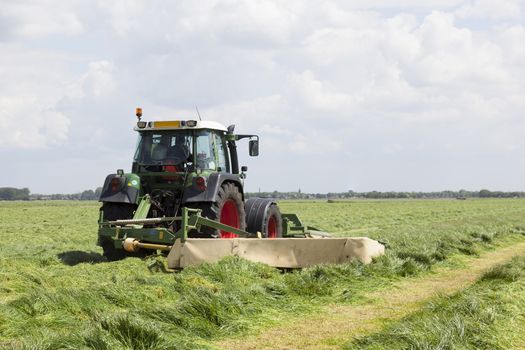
(227, 209)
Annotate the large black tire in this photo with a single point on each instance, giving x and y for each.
(118, 211)
(228, 209)
(263, 216)
(273, 225)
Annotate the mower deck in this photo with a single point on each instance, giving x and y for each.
(301, 246)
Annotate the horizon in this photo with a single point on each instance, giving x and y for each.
(305, 192)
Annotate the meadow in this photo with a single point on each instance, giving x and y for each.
(58, 292)
(487, 315)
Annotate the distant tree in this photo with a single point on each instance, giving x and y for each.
(87, 195)
(373, 195)
(14, 194)
(485, 193)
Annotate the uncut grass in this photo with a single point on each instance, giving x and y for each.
(57, 292)
(488, 315)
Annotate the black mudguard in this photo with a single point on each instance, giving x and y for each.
(256, 210)
(213, 183)
(125, 194)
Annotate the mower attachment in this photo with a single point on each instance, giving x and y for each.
(279, 252)
(302, 246)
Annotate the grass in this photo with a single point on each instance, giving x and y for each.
(57, 292)
(487, 315)
(338, 322)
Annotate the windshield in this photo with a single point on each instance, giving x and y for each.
(164, 147)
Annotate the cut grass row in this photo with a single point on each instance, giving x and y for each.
(488, 315)
(336, 323)
(49, 299)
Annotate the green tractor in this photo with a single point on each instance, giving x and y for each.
(185, 164)
(185, 195)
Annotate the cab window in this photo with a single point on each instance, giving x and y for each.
(204, 155)
(222, 160)
(168, 147)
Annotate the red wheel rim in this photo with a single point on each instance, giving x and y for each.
(230, 217)
(272, 227)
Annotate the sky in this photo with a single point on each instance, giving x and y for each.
(372, 95)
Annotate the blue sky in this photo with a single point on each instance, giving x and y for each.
(405, 96)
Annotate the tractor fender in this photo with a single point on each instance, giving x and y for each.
(127, 191)
(256, 210)
(213, 183)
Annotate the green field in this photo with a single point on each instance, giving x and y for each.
(488, 315)
(57, 292)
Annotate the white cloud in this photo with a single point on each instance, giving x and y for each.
(274, 130)
(511, 40)
(35, 86)
(319, 95)
(125, 15)
(315, 144)
(495, 10)
(28, 124)
(38, 19)
(30, 92)
(99, 81)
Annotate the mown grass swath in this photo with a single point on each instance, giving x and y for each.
(57, 292)
(488, 315)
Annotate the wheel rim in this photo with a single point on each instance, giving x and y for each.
(272, 227)
(230, 217)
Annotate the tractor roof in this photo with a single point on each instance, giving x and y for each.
(180, 125)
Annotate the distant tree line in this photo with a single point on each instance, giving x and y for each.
(461, 194)
(23, 194)
(9, 193)
(87, 195)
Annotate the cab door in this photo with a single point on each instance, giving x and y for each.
(223, 164)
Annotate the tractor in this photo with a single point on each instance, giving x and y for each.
(186, 190)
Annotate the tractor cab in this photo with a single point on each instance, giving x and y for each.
(196, 149)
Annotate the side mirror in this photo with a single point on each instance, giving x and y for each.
(254, 147)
